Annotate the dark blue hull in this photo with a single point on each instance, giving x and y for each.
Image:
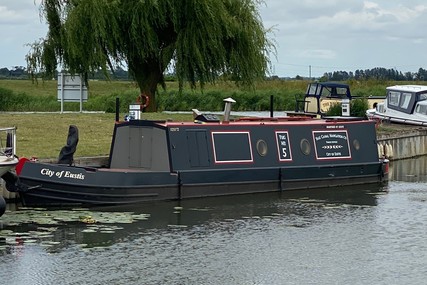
(118, 187)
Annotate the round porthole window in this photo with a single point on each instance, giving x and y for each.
(261, 147)
(305, 146)
(356, 144)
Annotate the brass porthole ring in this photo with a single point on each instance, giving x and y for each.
(356, 144)
(261, 147)
(305, 146)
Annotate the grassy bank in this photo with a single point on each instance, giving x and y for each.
(43, 135)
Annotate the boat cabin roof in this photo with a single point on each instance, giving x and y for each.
(246, 121)
(328, 89)
(408, 88)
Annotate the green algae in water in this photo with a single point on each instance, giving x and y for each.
(44, 223)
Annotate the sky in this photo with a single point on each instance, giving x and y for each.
(311, 36)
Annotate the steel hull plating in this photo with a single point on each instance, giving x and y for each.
(188, 185)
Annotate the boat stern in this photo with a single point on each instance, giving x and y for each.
(8, 159)
(385, 169)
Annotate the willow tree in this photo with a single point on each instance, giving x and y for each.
(200, 40)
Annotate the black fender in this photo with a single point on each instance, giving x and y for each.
(12, 182)
(2, 205)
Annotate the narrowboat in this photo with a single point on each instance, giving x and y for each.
(165, 160)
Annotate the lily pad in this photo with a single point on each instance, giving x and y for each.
(89, 231)
(177, 226)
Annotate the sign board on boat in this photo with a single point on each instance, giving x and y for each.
(283, 146)
(331, 144)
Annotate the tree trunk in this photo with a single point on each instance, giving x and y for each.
(148, 75)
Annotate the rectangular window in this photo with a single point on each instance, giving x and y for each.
(404, 100)
(393, 98)
(311, 90)
(421, 109)
(422, 97)
(232, 147)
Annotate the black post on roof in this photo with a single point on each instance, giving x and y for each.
(271, 105)
(117, 108)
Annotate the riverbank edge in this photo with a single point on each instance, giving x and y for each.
(405, 143)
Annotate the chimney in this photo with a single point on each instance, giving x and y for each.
(227, 109)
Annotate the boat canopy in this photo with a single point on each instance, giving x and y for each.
(328, 89)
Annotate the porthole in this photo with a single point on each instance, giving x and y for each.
(261, 147)
(305, 146)
(356, 144)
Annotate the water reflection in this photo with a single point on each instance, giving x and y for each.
(103, 226)
(409, 170)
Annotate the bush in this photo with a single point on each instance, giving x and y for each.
(6, 96)
(11, 101)
(358, 108)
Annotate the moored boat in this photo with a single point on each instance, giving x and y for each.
(8, 159)
(162, 160)
(321, 96)
(7, 163)
(405, 104)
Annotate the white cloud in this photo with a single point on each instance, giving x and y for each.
(20, 24)
(317, 53)
(16, 13)
(347, 35)
(327, 35)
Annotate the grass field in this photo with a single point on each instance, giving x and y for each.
(24, 95)
(42, 135)
(49, 87)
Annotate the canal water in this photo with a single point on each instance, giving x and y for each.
(370, 234)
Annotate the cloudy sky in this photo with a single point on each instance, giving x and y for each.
(311, 35)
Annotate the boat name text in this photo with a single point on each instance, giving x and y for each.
(328, 136)
(61, 174)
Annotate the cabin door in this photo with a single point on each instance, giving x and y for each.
(140, 147)
(198, 148)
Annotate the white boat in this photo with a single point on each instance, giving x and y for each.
(8, 159)
(406, 104)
